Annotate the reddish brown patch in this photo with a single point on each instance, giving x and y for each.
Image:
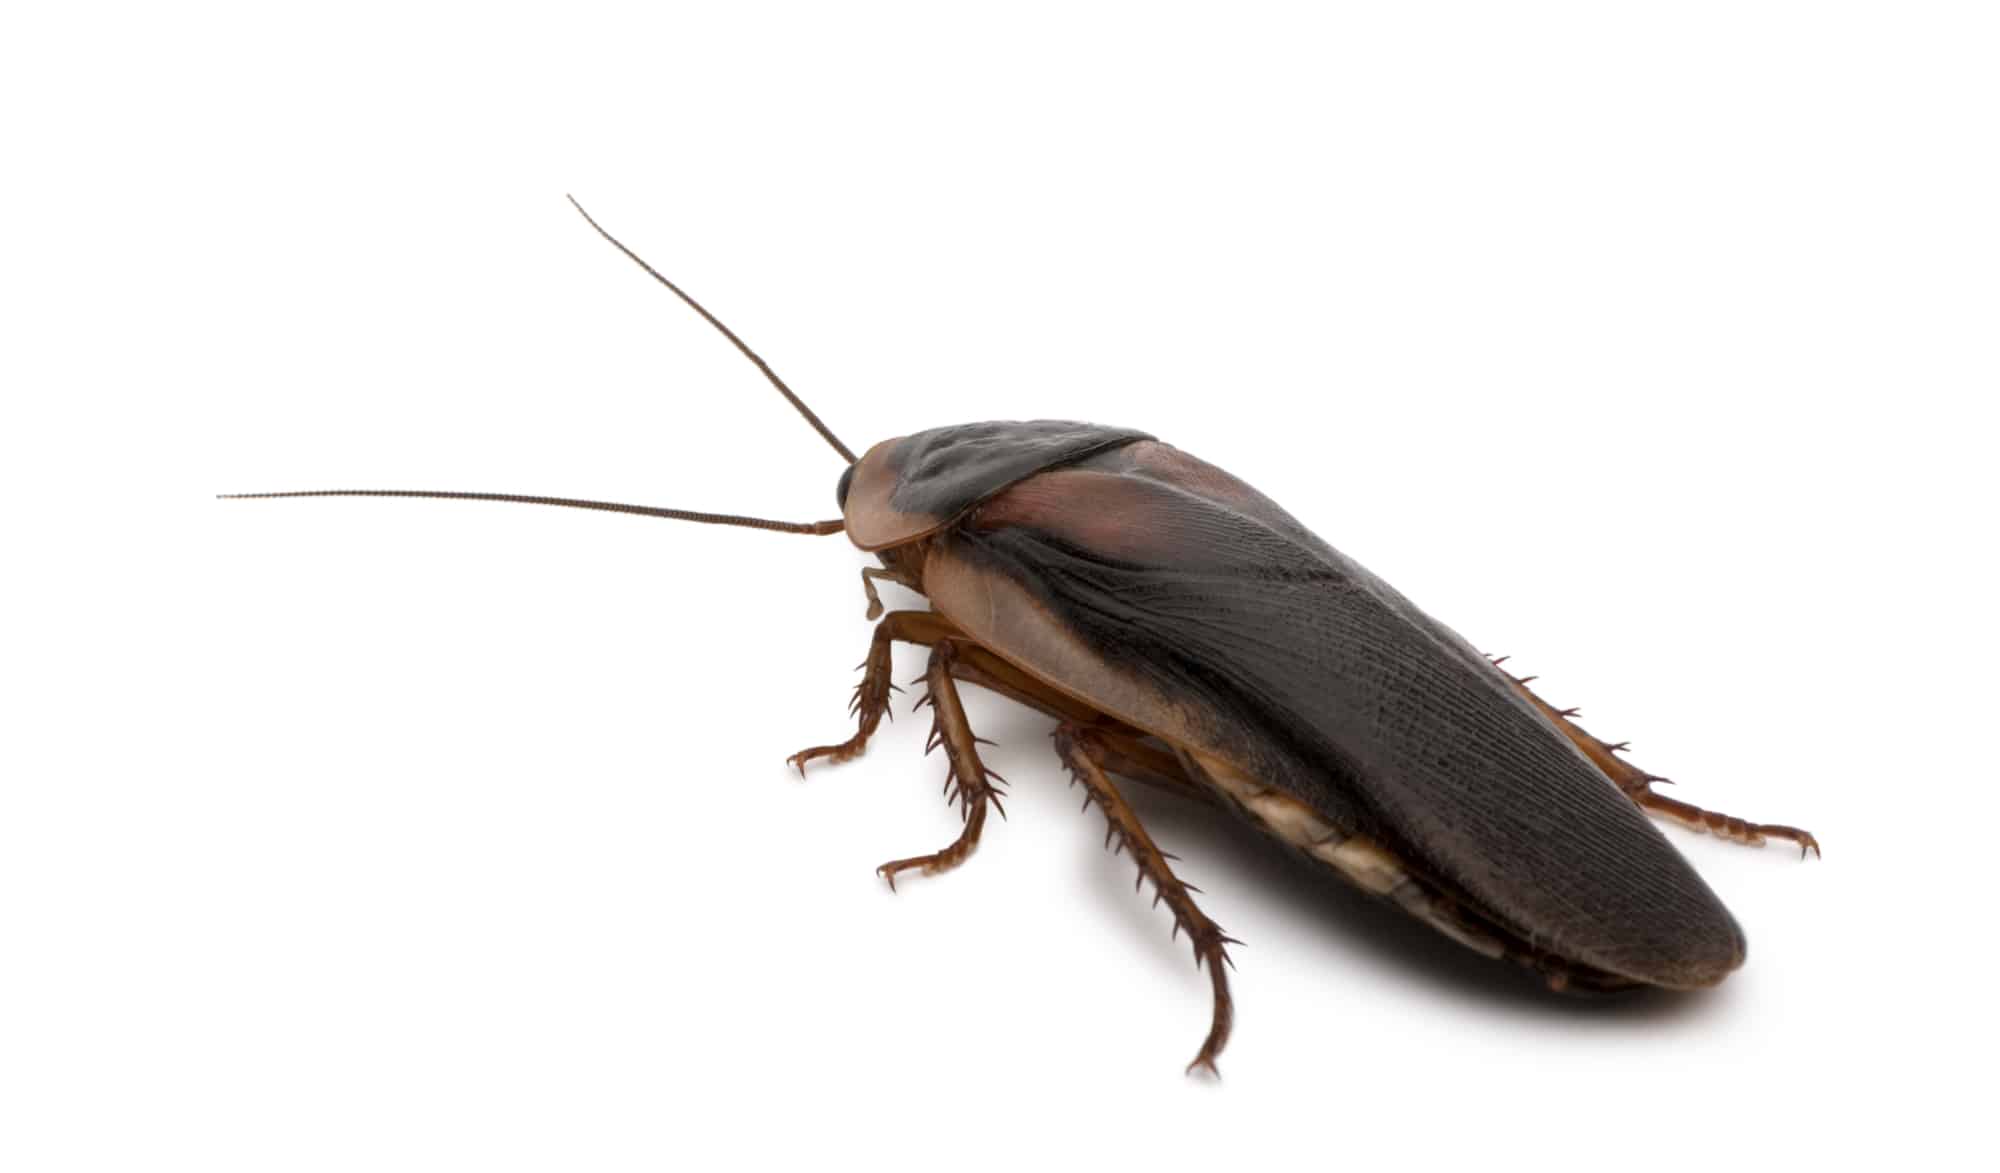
(1167, 463)
(1107, 513)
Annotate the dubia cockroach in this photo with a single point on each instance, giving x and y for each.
(1186, 632)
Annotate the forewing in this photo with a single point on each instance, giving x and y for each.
(1246, 633)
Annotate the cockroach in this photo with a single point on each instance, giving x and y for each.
(1186, 632)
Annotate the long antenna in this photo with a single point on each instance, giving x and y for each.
(789, 527)
(845, 453)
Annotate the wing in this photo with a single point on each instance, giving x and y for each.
(1209, 616)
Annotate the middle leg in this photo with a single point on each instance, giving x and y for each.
(967, 775)
(871, 696)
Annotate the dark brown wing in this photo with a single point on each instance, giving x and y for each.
(1234, 626)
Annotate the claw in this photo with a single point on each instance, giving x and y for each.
(1804, 839)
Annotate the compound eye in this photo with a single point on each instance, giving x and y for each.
(840, 492)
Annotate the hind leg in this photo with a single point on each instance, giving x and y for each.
(1638, 784)
(1083, 752)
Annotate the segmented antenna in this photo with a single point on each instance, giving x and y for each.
(814, 420)
(789, 527)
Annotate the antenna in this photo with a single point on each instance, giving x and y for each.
(814, 420)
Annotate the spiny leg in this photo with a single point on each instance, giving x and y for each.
(974, 783)
(1124, 750)
(1725, 826)
(1129, 753)
(871, 696)
(1638, 784)
(1083, 752)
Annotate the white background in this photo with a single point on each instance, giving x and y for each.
(1657, 350)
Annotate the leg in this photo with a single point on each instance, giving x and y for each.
(974, 782)
(1638, 784)
(868, 576)
(1124, 750)
(1725, 826)
(1082, 752)
(871, 696)
(1127, 753)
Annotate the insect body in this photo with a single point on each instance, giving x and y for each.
(1186, 632)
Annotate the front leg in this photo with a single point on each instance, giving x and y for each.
(871, 696)
(868, 576)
